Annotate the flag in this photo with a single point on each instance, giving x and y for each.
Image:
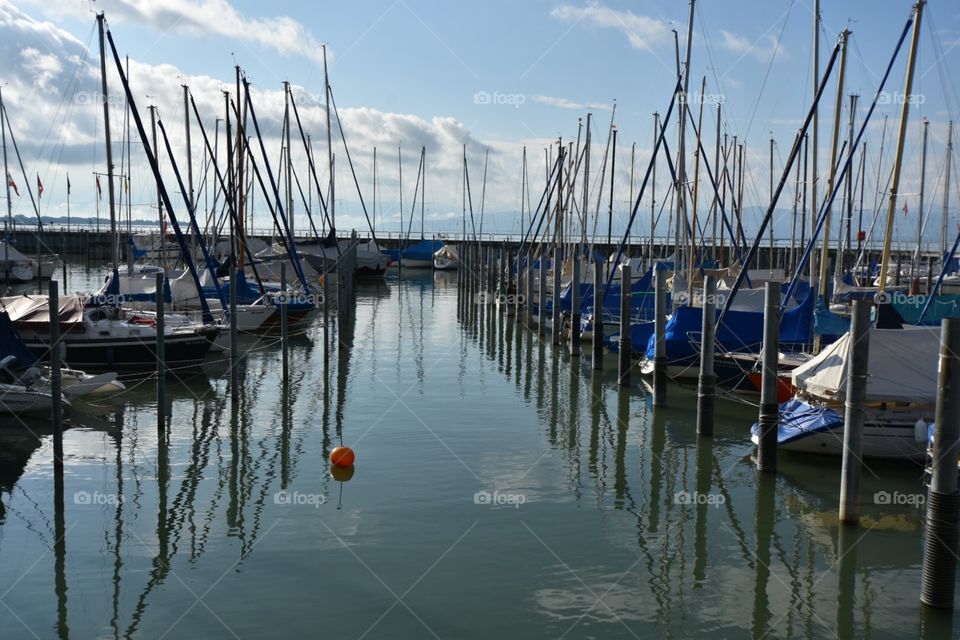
(13, 184)
(906, 209)
(99, 190)
(39, 187)
(68, 184)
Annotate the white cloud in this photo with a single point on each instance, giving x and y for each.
(201, 18)
(565, 103)
(641, 31)
(762, 49)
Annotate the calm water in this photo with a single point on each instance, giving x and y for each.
(498, 492)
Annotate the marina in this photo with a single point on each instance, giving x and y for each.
(275, 387)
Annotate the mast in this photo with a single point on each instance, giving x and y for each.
(633, 158)
(771, 203)
(847, 245)
(946, 191)
(523, 187)
(796, 200)
(163, 236)
(423, 187)
(691, 266)
(915, 263)
(653, 187)
(231, 190)
(814, 175)
(613, 168)
(331, 202)
(586, 179)
(374, 189)
(464, 197)
(400, 178)
(129, 166)
(288, 166)
(682, 152)
(106, 133)
(239, 190)
(838, 108)
(190, 193)
(6, 181)
(715, 207)
(901, 137)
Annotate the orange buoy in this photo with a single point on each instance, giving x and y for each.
(342, 457)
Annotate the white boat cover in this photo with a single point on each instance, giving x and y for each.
(902, 367)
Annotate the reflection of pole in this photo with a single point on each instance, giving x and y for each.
(763, 526)
(847, 540)
(703, 471)
(853, 418)
(943, 501)
(60, 551)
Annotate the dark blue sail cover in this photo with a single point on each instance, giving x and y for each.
(799, 419)
(740, 331)
(12, 345)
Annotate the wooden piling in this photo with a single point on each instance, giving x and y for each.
(938, 577)
(626, 346)
(854, 412)
(161, 353)
(707, 383)
(575, 313)
(596, 356)
(55, 376)
(769, 408)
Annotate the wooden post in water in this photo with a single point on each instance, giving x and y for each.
(63, 260)
(660, 340)
(542, 298)
(853, 415)
(707, 384)
(234, 336)
(284, 335)
(161, 354)
(769, 409)
(55, 379)
(528, 293)
(596, 357)
(555, 316)
(575, 313)
(626, 346)
(938, 578)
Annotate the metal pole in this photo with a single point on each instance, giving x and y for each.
(284, 335)
(161, 353)
(56, 396)
(853, 416)
(575, 313)
(234, 338)
(626, 346)
(660, 350)
(938, 577)
(706, 390)
(542, 298)
(769, 409)
(555, 326)
(597, 355)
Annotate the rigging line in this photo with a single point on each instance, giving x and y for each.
(766, 76)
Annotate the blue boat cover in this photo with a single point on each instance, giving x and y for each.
(420, 250)
(12, 345)
(942, 307)
(799, 420)
(740, 331)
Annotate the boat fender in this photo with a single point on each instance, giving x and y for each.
(920, 430)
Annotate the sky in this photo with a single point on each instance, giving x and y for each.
(495, 76)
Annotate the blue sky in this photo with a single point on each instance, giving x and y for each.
(542, 64)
